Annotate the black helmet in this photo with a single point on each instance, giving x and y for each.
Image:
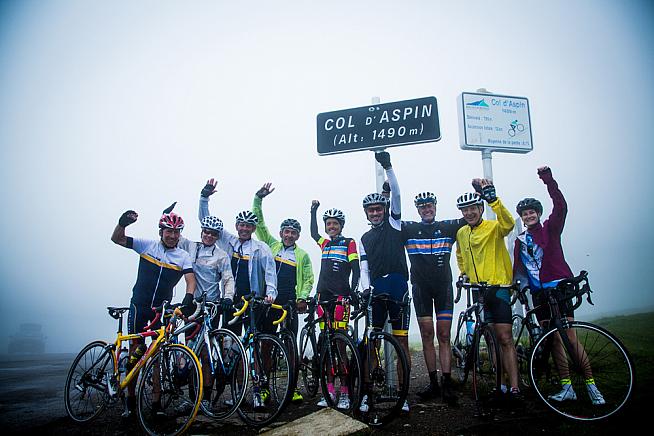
(529, 203)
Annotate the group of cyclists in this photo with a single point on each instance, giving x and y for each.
(226, 266)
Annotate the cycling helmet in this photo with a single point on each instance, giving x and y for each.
(468, 199)
(529, 203)
(374, 198)
(336, 214)
(290, 223)
(212, 223)
(247, 217)
(171, 221)
(424, 198)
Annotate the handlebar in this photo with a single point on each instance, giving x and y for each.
(460, 284)
(247, 298)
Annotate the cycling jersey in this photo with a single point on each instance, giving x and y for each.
(160, 268)
(481, 252)
(255, 257)
(288, 261)
(211, 267)
(538, 254)
(338, 256)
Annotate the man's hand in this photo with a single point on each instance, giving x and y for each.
(226, 305)
(265, 190)
(485, 188)
(127, 218)
(301, 306)
(209, 188)
(188, 306)
(384, 159)
(269, 299)
(314, 205)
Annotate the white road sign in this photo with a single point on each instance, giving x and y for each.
(494, 122)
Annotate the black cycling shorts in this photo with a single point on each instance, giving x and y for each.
(438, 298)
(139, 317)
(543, 312)
(399, 316)
(497, 308)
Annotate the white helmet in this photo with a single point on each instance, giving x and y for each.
(468, 199)
(334, 213)
(247, 217)
(212, 223)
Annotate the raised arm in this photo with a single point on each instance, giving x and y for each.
(486, 190)
(384, 160)
(118, 236)
(208, 190)
(314, 221)
(559, 205)
(262, 231)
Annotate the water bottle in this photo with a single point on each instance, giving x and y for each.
(122, 360)
(136, 356)
(470, 330)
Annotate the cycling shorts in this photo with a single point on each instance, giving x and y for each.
(497, 308)
(438, 298)
(139, 316)
(340, 313)
(398, 315)
(543, 312)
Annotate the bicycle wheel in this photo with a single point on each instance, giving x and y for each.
(288, 339)
(340, 367)
(597, 354)
(224, 387)
(485, 364)
(268, 386)
(86, 393)
(522, 342)
(308, 362)
(169, 391)
(460, 350)
(387, 383)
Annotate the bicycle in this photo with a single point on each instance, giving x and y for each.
(169, 378)
(270, 374)
(582, 354)
(515, 126)
(481, 356)
(223, 365)
(386, 372)
(329, 357)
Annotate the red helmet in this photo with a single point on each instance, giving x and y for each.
(171, 221)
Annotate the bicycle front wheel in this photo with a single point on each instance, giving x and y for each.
(224, 387)
(270, 379)
(288, 339)
(588, 354)
(387, 383)
(460, 350)
(308, 362)
(486, 364)
(169, 391)
(340, 367)
(86, 393)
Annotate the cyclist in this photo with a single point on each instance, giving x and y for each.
(539, 262)
(383, 263)
(339, 260)
(212, 270)
(294, 271)
(482, 256)
(161, 265)
(253, 267)
(429, 246)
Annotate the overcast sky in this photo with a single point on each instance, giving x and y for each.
(108, 106)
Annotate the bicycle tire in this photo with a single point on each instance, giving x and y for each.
(486, 364)
(309, 365)
(388, 379)
(523, 346)
(86, 393)
(340, 360)
(460, 350)
(288, 339)
(174, 374)
(605, 356)
(270, 370)
(224, 389)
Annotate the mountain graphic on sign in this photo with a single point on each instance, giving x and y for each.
(480, 103)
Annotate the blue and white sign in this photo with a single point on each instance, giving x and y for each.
(494, 122)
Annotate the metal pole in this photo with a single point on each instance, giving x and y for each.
(487, 164)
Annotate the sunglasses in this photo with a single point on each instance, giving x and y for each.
(210, 232)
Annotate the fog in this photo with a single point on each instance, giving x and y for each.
(109, 106)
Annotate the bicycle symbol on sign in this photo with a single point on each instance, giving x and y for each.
(515, 126)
